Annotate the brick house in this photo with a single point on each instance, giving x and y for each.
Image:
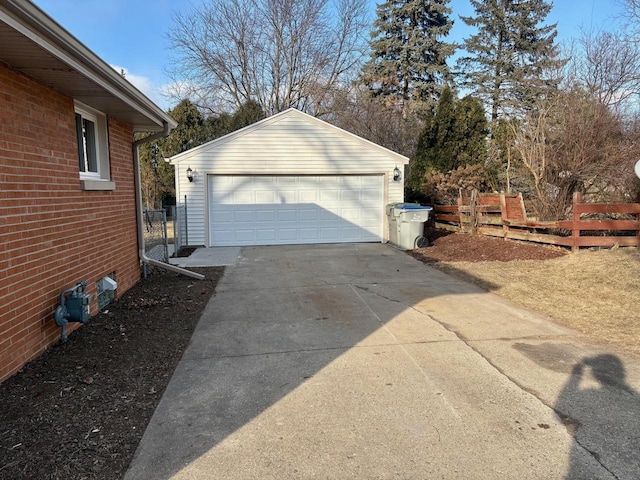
(68, 177)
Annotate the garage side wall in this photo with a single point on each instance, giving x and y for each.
(53, 234)
(292, 145)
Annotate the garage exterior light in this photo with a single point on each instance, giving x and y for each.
(397, 176)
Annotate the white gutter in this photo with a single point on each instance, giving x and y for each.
(141, 249)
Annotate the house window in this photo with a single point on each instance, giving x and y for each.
(87, 148)
(93, 149)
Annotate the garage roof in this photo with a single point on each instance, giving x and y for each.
(35, 44)
(292, 112)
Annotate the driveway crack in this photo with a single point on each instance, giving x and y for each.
(380, 295)
(569, 423)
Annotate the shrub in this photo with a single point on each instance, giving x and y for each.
(445, 188)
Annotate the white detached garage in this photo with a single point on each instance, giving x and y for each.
(288, 179)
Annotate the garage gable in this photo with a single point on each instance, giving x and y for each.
(287, 133)
(317, 182)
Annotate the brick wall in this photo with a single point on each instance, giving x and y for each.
(52, 233)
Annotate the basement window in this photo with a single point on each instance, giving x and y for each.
(106, 289)
(93, 148)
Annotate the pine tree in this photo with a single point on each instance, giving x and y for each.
(157, 176)
(408, 59)
(511, 53)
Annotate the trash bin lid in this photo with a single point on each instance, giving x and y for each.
(411, 206)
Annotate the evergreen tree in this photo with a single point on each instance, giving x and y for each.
(190, 131)
(436, 143)
(408, 60)
(441, 153)
(471, 133)
(511, 53)
(419, 164)
(157, 176)
(454, 136)
(193, 129)
(249, 112)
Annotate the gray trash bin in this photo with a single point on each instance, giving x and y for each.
(406, 224)
(394, 224)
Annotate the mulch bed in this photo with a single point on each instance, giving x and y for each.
(79, 411)
(447, 246)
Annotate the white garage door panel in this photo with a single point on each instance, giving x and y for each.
(270, 210)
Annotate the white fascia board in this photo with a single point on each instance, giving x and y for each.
(34, 24)
(274, 118)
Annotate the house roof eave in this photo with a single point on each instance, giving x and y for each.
(41, 48)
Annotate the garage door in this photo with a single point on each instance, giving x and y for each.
(279, 210)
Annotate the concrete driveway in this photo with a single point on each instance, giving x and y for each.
(356, 361)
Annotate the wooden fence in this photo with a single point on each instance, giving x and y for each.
(504, 215)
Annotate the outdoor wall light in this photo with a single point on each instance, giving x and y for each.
(397, 176)
(189, 174)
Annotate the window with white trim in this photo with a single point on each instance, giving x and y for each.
(93, 148)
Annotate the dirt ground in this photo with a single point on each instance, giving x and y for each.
(79, 411)
(593, 291)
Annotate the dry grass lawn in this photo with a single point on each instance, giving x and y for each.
(594, 292)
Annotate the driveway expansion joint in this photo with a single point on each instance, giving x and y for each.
(319, 349)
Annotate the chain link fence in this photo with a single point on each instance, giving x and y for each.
(155, 235)
(180, 233)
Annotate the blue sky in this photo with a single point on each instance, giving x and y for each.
(131, 34)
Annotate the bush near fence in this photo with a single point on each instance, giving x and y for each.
(504, 215)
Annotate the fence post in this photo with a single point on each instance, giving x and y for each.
(473, 211)
(503, 214)
(638, 219)
(166, 240)
(431, 222)
(575, 225)
(524, 210)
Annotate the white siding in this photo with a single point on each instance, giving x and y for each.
(290, 143)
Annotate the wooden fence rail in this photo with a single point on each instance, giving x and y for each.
(504, 215)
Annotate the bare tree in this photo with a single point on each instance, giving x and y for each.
(280, 53)
(631, 12)
(378, 119)
(573, 142)
(607, 65)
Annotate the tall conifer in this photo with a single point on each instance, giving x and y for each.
(509, 57)
(408, 59)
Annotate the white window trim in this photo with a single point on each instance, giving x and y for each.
(99, 180)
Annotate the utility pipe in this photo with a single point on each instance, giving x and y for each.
(137, 181)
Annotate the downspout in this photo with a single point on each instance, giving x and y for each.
(136, 168)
